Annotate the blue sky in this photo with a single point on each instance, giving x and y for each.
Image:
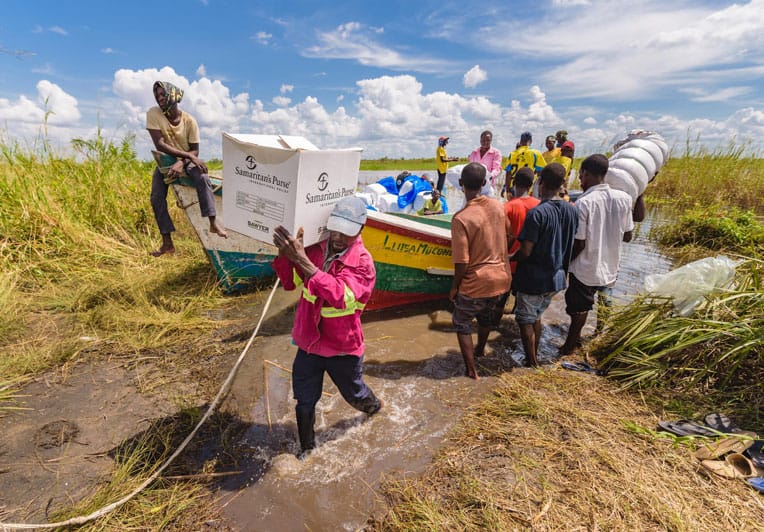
(388, 76)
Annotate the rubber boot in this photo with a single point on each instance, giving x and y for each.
(305, 422)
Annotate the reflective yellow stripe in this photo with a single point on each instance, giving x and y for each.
(351, 305)
(297, 280)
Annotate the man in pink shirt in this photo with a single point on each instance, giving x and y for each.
(487, 156)
(336, 277)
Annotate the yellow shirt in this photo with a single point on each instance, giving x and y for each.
(551, 154)
(440, 155)
(567, 162)
(525, 156)
(180, 136)
(430, 206)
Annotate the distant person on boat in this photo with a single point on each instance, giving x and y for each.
(176, 133)
(604, 221)
(543, 257)
(432, 205)
(336, 277)
(480, 238)
(524, 156)
(443, 159)
(488, 156)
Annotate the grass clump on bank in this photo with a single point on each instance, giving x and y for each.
(717, 228)
(559, 450)
(713, 358)
(74, 239)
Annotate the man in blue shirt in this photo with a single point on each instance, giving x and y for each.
(546, 246)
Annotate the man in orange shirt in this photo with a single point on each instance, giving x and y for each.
(480, 238)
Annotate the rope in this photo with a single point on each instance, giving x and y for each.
(113, 506)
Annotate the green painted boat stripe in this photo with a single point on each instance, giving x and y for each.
(394, 278)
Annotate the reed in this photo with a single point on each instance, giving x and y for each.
(716, 353)
(729, 175)
(75, 233)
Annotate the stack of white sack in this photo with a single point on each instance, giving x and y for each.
(454, 174)
(389, 203)
(635, 161)
(375, 190)
(420, 199)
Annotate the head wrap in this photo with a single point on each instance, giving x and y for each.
(173, 94)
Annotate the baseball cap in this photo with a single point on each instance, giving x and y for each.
(568, 144)
(348, 216)
(550, 137)
(526, 136)
(441, 139)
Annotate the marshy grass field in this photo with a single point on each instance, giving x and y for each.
(548, 450)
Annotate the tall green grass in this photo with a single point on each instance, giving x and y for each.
(75, 232)
(699, 176)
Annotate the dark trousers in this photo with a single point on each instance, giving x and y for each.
(307, 384)
(159, 197)
(441, 181)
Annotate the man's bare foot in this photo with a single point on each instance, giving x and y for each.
(161, 251)
(472, 375)
(215, 228)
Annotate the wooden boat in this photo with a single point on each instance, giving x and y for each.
(412, 254)
(239, 261)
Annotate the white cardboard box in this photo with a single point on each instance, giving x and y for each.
(271, 180)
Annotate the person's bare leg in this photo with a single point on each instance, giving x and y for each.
(528, 336)
(537, 333)
(468, 354)
(482, 339)
(577, 322)
(167, 246)
(216, 228)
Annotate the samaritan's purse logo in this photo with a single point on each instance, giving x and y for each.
(323, 181)
(251, 163)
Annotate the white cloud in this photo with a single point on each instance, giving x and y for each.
(108, 51)
(590, 121)
(610, 52)
(281, 101)
(58, 29)
(201, 71)
(474, 77)
(286, 88)
(722, 95)
(262, 37)
(53, 112)
(340, 98)
(352, 41)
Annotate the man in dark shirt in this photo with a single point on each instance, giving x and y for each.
(546, 245)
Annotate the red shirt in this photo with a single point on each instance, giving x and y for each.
(516, 209)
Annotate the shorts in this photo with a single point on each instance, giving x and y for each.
(580, 297)
(487, 311)
(530, 307)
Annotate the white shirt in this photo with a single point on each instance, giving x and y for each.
(604, 215)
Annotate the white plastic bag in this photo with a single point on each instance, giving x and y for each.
(689, 284)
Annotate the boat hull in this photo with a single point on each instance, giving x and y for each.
(240, 262)
(412, 259)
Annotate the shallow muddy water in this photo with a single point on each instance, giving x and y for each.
(413, 363)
